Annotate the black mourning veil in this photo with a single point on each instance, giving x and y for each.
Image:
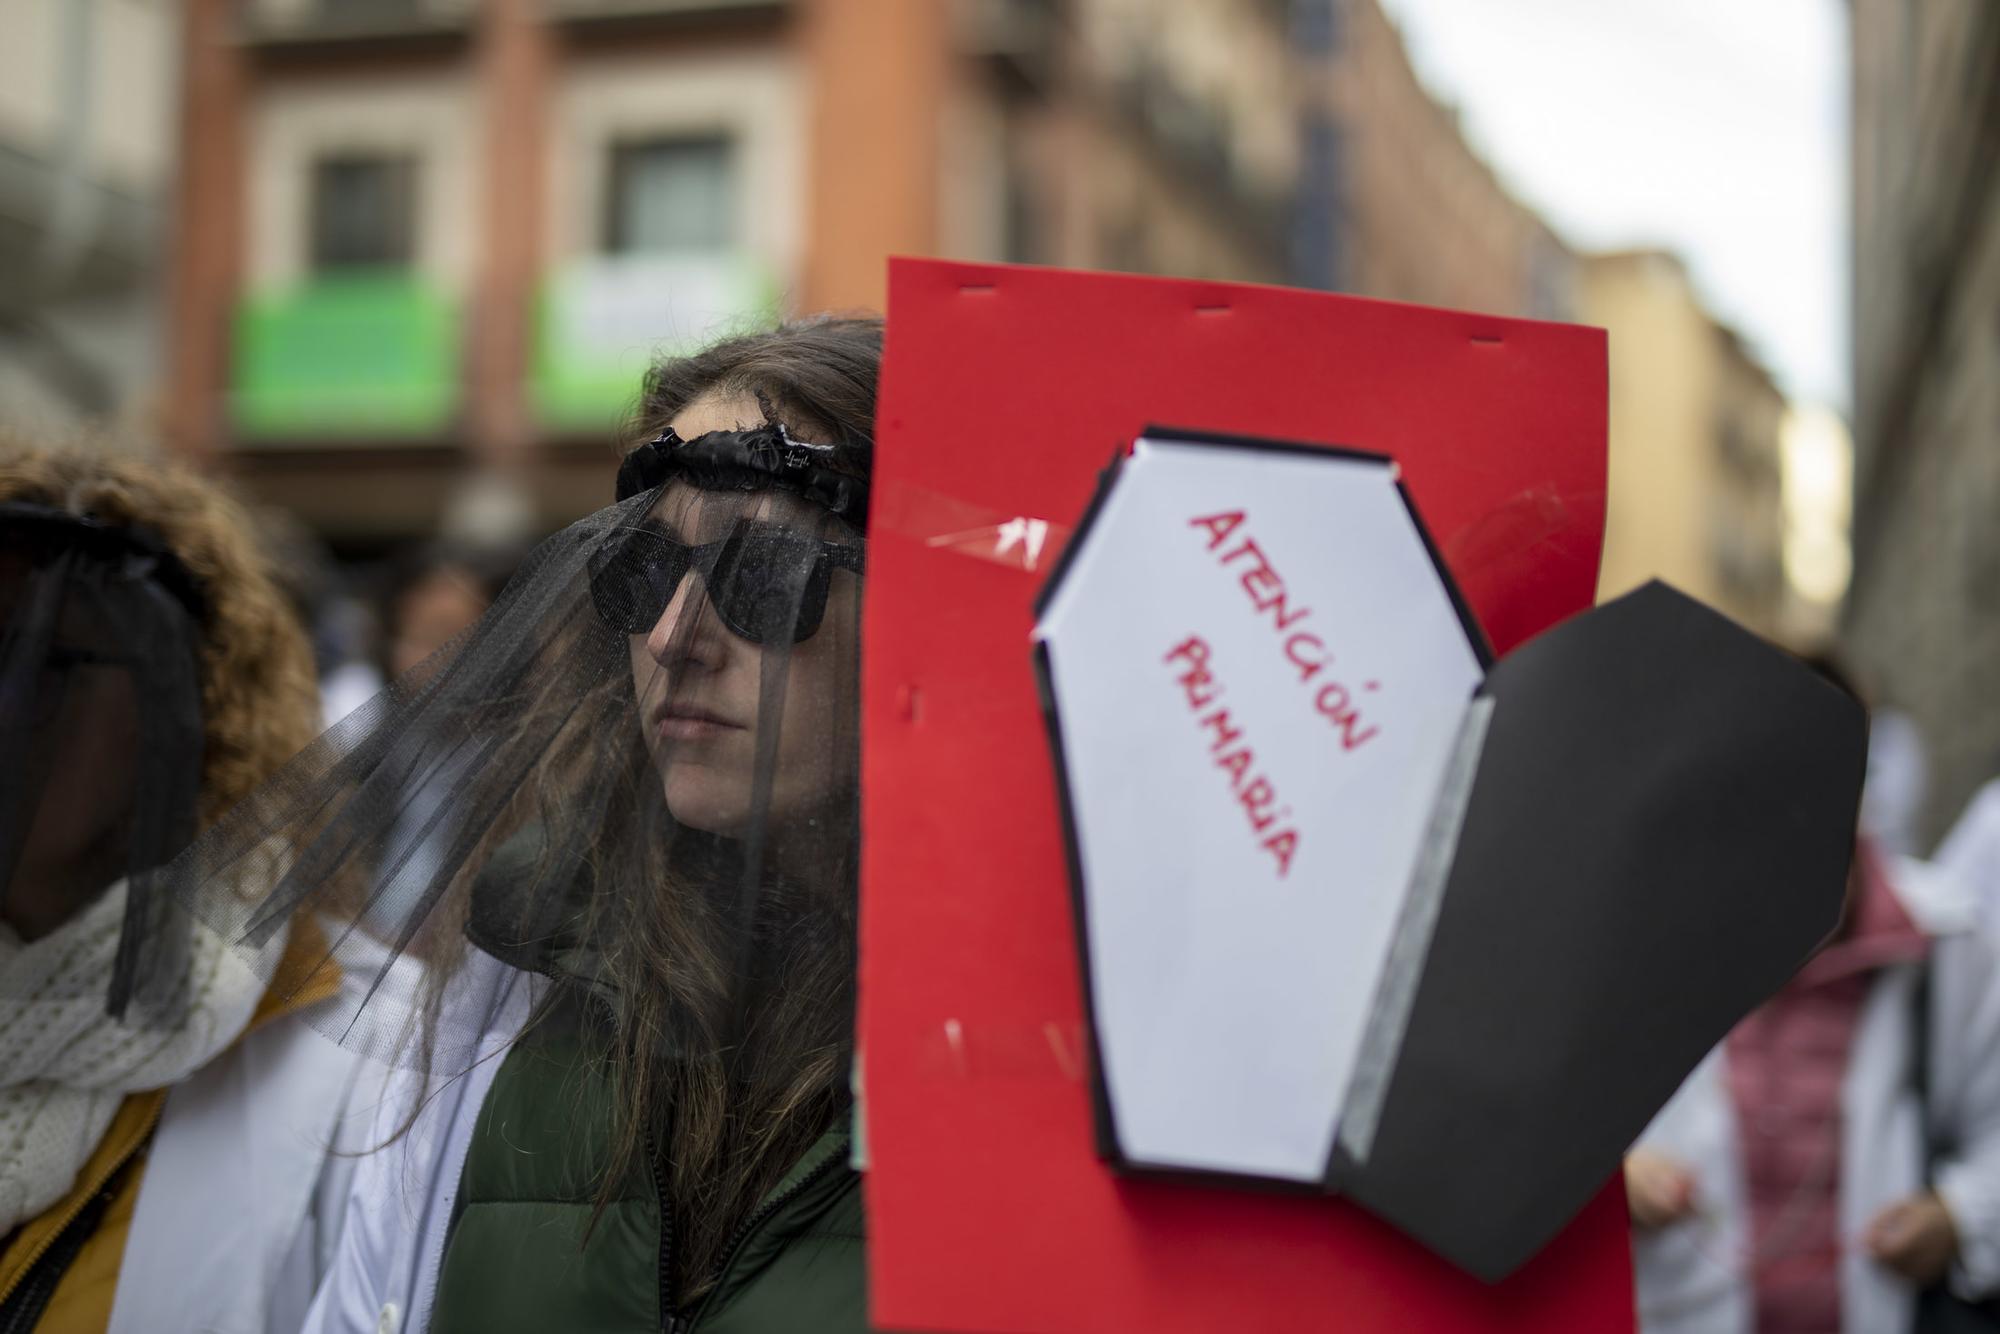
(634, 779)
(100, 744)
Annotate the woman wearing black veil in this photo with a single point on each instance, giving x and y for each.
(618, 980)
(151, 674)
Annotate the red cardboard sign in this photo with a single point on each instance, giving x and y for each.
(1005, 391)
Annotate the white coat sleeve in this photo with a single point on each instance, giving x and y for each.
(377, 1227)
(1965, 1056)
(1971, 851)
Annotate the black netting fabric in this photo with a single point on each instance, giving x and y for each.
(101, 734)
(633, 779)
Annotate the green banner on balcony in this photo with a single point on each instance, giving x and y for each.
(361, 356)
(602, 321)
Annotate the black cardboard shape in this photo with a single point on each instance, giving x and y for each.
(1658, 835)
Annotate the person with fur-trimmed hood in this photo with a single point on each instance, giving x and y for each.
(165, 1122)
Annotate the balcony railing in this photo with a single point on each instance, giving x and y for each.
(286, 23)
(372, 355)
(1020, 39)
(584, 11)
(1191, 137)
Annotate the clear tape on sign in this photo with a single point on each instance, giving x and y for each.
(1018, 541)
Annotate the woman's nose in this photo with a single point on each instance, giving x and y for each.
(688, 630)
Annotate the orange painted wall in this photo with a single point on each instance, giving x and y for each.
(877, 71)
(205, 235)
(515, 57)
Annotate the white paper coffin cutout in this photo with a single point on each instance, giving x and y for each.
(1257, 670)
(1483, 958)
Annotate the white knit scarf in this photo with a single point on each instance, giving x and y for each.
(65, 1065)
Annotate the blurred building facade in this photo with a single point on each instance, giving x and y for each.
(426, 247)
(1923, 615)
(1695, 481)
(86, 146)
(1419, 216)
(421, 240)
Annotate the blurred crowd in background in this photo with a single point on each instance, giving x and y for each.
(393, 268)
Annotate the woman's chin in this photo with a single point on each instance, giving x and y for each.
(699, 803)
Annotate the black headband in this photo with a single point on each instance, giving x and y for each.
(136, 552)
(759, 459)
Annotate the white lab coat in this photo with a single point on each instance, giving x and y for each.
(1971, 852)
(397, 1205)
(240, 1203)
(1898, 778)
(1690, 1274)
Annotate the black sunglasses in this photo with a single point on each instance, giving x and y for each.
(768, 583)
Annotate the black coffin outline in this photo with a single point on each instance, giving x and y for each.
(1103, 1119)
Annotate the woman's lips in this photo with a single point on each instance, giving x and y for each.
(683, 724)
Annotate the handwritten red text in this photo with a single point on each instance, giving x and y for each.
(1231, 752)
(1305, 651)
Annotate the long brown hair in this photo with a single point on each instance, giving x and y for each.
(720, 1099)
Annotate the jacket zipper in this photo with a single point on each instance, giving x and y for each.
(37, 1288)
(139, 1141)
(749, 1226)
(668, 1321)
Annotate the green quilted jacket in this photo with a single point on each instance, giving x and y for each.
(517, 1257)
